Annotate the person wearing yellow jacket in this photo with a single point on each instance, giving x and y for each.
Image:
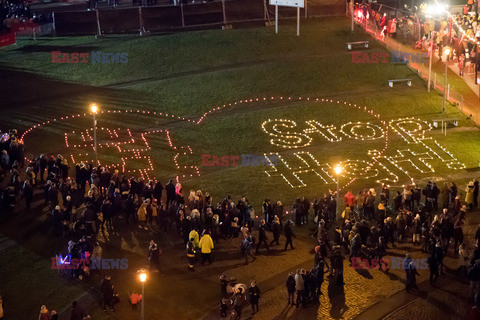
(154, 207)
(469, 195)
(206, 245)
(142, 214)
(194, 235)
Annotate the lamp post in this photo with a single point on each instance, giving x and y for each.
(430, 49)
(338, 170)
(94, 110)
(352, 13)
(143, 277)
(433, 11)
(447, 52)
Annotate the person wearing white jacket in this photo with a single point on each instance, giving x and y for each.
(299, 286)
(463, 259)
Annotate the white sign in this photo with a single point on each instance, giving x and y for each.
(288, 3)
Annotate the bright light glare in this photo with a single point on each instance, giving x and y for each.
(143, 277)
(338, 169)
(94, 108)
(436, 9)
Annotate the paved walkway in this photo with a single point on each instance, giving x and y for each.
(466, 97)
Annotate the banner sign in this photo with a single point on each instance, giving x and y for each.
(288, 3)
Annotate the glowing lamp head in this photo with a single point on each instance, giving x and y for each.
(94, 108)
(437, 9)
(143, 276)
(447, 51)
(338, 169)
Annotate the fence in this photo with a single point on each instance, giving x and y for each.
(183, 16)
(437, 81)
(409, 28)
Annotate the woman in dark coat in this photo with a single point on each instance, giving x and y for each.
(457, 234)
(290, 284)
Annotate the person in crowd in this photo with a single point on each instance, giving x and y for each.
(223, 285)
(238, 302)
(276, 228)
(247, 245)
(135, 298)
(299, 287)
(170, 190)
(77, 312)
(154, 255)
(336, 263)
(289, 235)
(2, 309)
(54, 315)
(463, 259)
(106, 287)
(320, 275)
(191, 254)
(44, 313)
(206, 246)
(469, 195)
(262, 236)
(142, 214)
(475, 192)
(433, 267)
(412, 274)
(291, 285)
(254, 294)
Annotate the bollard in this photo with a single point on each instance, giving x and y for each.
(140, 21)
(99, 29)
(53, 18)
(183, 17)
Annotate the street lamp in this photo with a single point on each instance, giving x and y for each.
(352, 13)
(447, 53)
(142, 274)
(436, 9)
(338, 170)
(94, 110)
(433, 10)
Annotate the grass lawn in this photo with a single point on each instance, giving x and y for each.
(189, 74)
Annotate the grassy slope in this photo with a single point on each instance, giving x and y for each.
(189, 73)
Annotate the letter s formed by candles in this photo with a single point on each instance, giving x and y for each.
(282, 136)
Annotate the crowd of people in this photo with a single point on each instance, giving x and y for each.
(431, 217)
(460, 32)
(16, 11)
(93, 199)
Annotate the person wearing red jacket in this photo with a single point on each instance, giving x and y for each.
(135, 298)
(349, 199)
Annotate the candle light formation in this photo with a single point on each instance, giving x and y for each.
(126, 149)
(417, 157)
